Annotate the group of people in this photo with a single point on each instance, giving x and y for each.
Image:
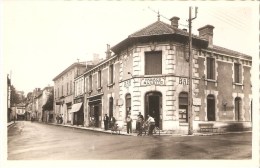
(59, 119)
(140, 123)
(109, 121)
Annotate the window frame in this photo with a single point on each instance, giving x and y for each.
(211, 64)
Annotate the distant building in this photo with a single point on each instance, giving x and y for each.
(18, 112)
(9, 112)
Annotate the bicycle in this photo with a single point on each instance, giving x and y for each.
(92, 123)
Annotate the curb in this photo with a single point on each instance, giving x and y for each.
(10, 125)
(125, 134)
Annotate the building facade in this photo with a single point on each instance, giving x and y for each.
(64, 91)
(149, 72)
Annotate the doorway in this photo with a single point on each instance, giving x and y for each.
(238, 109)
(211, 108)
(153, 107)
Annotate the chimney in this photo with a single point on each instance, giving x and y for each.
(95, 59)
(206, 32)
(174, 21)
(108, 52)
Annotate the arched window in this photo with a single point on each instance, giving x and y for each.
(183, 107)
(211, 108)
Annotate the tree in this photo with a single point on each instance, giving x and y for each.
(15, 99)
(49, 104)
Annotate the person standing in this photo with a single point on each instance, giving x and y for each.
(151, 124)
(139, 123)
(129, 124)
(112, 121)
(106, 119)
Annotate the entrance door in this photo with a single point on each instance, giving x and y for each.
(237, 108)
(96, 115)
(211, 108)
(153, 107)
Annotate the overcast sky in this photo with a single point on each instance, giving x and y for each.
(42, 38)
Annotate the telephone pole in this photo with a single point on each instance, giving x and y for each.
(190, 111)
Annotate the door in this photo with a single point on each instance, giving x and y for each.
(237, 109)
(153, 107)
(211, 108)
(96, 115)
(183, 107)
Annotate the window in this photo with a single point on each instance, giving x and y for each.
(90, 82)
(210, 68)
(183, 107)
(153, 63)
(99, 79)
(62, 90)
(237, 69)
(58, 92)
(68, 88)
(111, 74)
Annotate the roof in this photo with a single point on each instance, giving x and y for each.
(229, 52)
(156, 31)
(76, 64)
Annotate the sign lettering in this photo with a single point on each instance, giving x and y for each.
(153, 81)
(183, 81)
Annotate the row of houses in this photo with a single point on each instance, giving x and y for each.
(148, 72)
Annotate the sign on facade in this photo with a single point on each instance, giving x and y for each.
(183, 81)
(153, 81)
(127, 83)
(196, 101)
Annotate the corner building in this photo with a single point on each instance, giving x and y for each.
(148, 73)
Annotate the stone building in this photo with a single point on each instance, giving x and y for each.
(64, 90)
(149, 71)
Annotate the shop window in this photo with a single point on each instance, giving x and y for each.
(210, 68)
(237, 73)
(153, 63)
(183, 107)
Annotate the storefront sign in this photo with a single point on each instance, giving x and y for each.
(183, 81)
(196, 101)
(153, 81)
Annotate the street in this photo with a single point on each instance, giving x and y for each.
(39, 141)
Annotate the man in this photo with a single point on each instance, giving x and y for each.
(106, 119)
(151, 124)
(139, 123)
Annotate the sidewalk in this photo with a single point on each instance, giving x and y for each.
(93, 129)
(163, 133)
(9, 124)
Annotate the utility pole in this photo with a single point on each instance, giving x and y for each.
(190, 111)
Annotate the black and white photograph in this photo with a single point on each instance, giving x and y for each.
(129, 83)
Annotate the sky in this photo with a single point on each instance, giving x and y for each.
(42, 38)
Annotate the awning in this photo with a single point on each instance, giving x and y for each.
(75, 107)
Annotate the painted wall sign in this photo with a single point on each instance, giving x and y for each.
(127, 83)
(183, 81)
(153, 81)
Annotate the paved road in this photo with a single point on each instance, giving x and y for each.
(37, 141)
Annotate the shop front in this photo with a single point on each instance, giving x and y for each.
(77, 112)
(95, 111)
